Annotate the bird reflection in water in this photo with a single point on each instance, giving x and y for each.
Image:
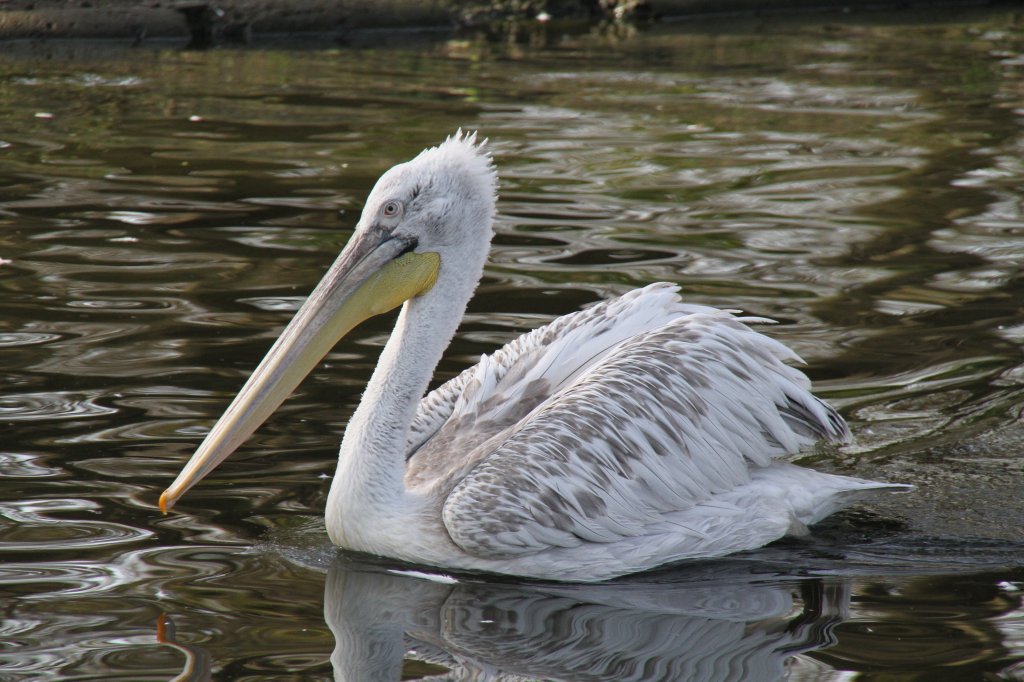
(387, 624)
(710, 623)
(198, 666)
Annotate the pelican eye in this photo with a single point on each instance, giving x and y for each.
(391, 209)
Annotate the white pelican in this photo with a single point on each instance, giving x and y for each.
(634, 433)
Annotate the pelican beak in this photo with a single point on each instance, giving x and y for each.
(375, 273)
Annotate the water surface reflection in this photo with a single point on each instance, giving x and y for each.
(163, 213)
(716, 628)
(750, 617)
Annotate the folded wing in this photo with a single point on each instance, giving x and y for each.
(595, 428)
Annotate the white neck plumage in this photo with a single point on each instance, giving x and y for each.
(371, 463)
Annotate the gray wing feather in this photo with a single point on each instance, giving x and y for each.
(434, 410)
(506, 386)
(663, 422)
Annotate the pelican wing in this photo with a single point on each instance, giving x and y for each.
(504, 387)
(661, 422)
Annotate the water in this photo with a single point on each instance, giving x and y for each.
(162, 214)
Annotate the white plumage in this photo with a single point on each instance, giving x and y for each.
(636, 432)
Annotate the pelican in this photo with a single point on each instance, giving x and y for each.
(630, 434)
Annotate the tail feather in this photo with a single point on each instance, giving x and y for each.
(812, 495)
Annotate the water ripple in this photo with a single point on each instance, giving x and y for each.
(25, 465)
(29, 526)
(49, 405)
(9, 339)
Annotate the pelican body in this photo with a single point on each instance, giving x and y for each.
(634, 433)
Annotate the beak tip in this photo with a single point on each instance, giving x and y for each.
(165, 502)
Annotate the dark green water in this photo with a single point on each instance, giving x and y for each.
(163, 213)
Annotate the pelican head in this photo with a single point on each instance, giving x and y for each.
(426, 223)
